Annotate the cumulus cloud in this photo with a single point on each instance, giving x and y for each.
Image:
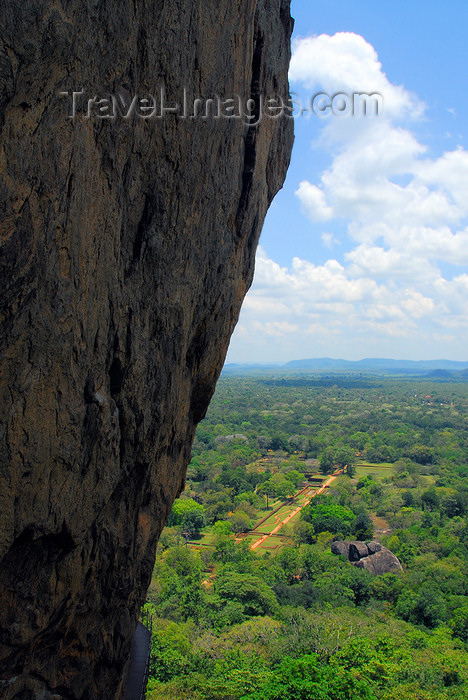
(327, 310)
(405, 213)
(346, 62)
(426, 216)
(313, 200)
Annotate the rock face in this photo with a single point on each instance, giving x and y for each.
(371, 556)
(127, 246)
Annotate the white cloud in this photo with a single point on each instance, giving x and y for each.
(392, 264)
(403, 228)
(418, 305)
(329, 240)
(313, 200)
(279, 328)
(315, 310)
(308, 292)
(346, 62)
(371, 155)
(406, 214)
(448, 173)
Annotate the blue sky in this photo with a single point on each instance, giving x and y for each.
(364, 252)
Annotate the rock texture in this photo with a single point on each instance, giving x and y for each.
(341, 547)
(357, 550)
(127, 247)
(371, 556)
(382, 562)
(373, 547)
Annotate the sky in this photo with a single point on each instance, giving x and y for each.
(364, 252)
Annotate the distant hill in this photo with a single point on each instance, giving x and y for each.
(240, 369)
(444, 370)
(448, 376)
(441, 374)
(376, 363)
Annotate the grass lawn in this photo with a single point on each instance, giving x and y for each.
(378, 471)
(305, 496)
(275, 542)
(260, 514)
(272, 522)
(286, 510)
(205, 539)
(271, 544)
(293, 520)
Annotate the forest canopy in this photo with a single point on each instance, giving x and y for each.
(290, 620)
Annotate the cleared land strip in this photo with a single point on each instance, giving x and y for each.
(291, 515)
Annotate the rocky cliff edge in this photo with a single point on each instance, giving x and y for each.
(127, 246)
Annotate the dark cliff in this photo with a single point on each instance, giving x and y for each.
(127, 246)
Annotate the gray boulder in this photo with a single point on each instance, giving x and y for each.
(357, 550)
(371, 556)
(382, 562)
(341, 547)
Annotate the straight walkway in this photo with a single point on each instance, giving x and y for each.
(137, 675)
(296, 511)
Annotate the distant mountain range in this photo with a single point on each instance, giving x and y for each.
(435, 369)
(376, 363)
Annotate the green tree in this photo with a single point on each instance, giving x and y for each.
(430, 499)
(459, 623)
(240, 521)
(193, 521)
(303, 533)
(238, 555)
(282, 486)
(427, 607)
(180, 512)
(330, 517)
(422, 454)
(359, 581)
(295, 477)
(252, 592)
(455, 503)
(183, 561)
(327, 461)
(267, 489)
(307, 679)
(222, 527)
(363, 528)
(345, 459)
